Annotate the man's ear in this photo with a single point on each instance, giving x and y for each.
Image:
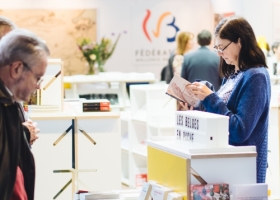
(16, 69)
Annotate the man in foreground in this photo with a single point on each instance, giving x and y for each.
(23, 61)
(6, 25)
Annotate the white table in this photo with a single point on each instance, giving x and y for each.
(90, 167)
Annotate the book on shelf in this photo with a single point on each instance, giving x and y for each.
(96, 108)
(95, 105)
(95, 102)
(213, 190)
(210, 191)
(102, 195)
(145, 191)
(178, 89)
(250, 191)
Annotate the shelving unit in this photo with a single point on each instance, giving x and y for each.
(152, 114)
(106, 83)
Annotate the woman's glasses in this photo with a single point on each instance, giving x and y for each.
(221, 50)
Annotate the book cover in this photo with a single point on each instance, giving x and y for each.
(96, 104)
(95, 196)
(145, 191)
(96, 108)
(257, 191)
(92, 105)
(210, 192)
(178, 89)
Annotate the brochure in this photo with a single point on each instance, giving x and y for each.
(178, 89)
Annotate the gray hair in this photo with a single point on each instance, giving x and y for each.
(204, 38)
(22, 45)
(275, 45)
(5, 22)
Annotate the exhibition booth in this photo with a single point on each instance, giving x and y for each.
(140, 138)
(108, 128)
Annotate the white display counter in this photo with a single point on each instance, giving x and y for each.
(82, 165)
(170, 163)
(200, 144)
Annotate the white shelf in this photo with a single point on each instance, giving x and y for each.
(125, 116)
(140, 153)
(125, 149)
(164, 126)
(152, 114)
(140, 115)
(106, 82)
(139, 119)
(125, 181)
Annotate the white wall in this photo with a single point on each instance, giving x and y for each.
(119, 15)
(259, 15)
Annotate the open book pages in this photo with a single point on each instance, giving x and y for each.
(178, 89)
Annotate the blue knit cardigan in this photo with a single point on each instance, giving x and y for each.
(248, 110)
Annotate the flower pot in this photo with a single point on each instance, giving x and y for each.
(101, 67)
(90, 69)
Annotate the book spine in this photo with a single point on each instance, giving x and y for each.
(96, 108)
(96, 104)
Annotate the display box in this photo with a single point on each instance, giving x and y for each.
(210, 192)
(202, 128)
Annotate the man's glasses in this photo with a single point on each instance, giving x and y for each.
(39, 79)
(221, 50)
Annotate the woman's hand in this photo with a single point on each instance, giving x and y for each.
(199, 90)
(185, 106)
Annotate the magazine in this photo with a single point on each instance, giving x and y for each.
(178, 89)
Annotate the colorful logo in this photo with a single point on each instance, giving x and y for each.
(159, 23)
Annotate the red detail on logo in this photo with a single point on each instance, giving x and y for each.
(144, 24)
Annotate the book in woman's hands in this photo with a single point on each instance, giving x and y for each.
(178, 89)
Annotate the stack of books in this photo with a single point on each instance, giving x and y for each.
(129, 194)
(93, 105)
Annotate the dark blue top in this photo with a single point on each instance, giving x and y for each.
(248, 109)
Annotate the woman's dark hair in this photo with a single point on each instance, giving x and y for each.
(250, 55)
(275, 45)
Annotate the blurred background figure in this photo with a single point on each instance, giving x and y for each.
(275, 58)
(202, 64)
(6, 25)
(184, 44)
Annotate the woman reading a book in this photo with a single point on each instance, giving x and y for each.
(245, 93)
